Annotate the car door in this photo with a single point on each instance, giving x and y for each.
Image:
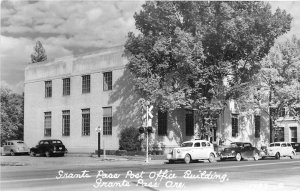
(40, 147)
(204, 150)
(283, 150)
(6, 147)
(197, 150)
(247, 150)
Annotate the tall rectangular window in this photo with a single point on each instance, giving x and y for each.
(85, 122)
(162, 122)
(107, 81)
(66, 123)
(107, 121)
(257, 126)
(48, 88)
(86, 84)
(282, 112)
(235, 125)
(47, 124)
(279, 134)
(66, 86)
(189, 123)
(294, 134)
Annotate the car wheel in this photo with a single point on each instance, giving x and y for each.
(12, 153)
(277, 156)
(292, 155)
(238, 157)
(47, 153)
(32, 153)
(171, 161)
(211, 157)
(187, 159)
(256, 156)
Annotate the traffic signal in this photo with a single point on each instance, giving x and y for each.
(149, 129)
(141, 130)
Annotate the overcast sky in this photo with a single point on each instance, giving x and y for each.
(72, 27)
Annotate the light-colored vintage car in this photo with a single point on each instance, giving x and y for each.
(279, 149)
(14, 147)
(193, 150)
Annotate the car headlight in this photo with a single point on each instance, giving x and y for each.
(232, 151)
(178, 151)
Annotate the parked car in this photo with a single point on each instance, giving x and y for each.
(193, 150)
(296, 146)
(279, 149)
(14, 147)
(240, 151)
(49, 148)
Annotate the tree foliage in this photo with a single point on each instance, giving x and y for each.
(12, 115)
(280, 76)
(39, 54)
(185, 49)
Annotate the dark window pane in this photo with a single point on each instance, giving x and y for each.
(235, 124)
(257, 126)
(66, 123)
(107, 81)
(85, 122)
(107, 121)
(47, 124)
(162, 123)
(48, 88)
(66, 86)
(189, 123)
(86, 84)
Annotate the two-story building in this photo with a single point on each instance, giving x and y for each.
(68, 98)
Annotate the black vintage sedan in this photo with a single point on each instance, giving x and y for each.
(240, 151)
(49, 147)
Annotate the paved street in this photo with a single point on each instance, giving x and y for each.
(93, 174)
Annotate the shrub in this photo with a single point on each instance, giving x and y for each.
(129, 139)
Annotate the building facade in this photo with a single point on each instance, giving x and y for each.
(68, 98)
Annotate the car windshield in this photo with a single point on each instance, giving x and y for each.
(235, 144)
(56, 142)
(187, 144)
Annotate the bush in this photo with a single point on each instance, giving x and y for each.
(129, 139)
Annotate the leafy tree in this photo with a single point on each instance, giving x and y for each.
(39, 54)
(279, 79)
(12, 115)
(185, 50)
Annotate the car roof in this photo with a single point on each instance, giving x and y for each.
(240, 142)
(192, 141)
(50, 140)
(14, 141)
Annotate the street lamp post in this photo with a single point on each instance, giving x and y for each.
(98, 130)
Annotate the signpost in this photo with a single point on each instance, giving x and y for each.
(98, 130)
(148, 123)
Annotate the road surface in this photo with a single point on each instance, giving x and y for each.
(228, 175)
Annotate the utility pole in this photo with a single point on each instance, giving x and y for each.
(270, 116)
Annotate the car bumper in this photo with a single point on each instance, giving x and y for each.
(59, 152)
(227, 156)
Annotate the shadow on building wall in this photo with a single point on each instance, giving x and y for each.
(127, 112)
